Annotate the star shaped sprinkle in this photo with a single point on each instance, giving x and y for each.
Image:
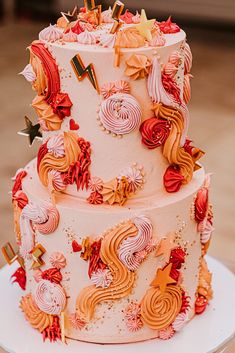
(71, 16)
(165, 246)
(145, 26)
(163, 278)
(32, 131)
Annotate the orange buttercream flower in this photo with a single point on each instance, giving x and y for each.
(138, 66)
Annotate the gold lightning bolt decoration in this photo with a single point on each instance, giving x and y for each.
(118, 8)
(81, 71)
(37, 254)
(91, 7)
(11, 256)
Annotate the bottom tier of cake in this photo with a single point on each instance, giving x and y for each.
(110, 274)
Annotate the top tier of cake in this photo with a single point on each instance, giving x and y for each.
(123, 93)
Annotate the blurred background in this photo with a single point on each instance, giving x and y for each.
(210, 27)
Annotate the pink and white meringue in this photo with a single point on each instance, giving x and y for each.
(102, 278)
(134, 325)
(107, 16)
(76, 322)
(108, 89)
(136, 18)
(37, 275)
(55, 146)
(95, 184)
(167, 333)
(134, 177)
(50, 297)
(133, 311)
(28, 73)
(70, 36)
(206, 230)
(122, 87)
(107, 40)
(180, 321)
(50, 34)
(87, 38)
(158, 40)
(58, 260)
(57, 181)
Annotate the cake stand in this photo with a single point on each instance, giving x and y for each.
(207, 333)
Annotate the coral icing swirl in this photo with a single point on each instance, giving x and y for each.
(188, 59)
(52, 121)
(123, 279)
(49, 162)
(158, 94)
(187, 88)
(154, 132)
(138, 66)
(130, 247)
(53, 218)
(40, 83)
(50, 297)
(120, 114)
(172, 151)
(37, 319)
(159, 310)
(31, 213)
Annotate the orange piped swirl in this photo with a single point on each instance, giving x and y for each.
(38, 319)
(49, 162)
(40, 84)
(159, 310)
(172, 151)
(45, 113)
(123, 279)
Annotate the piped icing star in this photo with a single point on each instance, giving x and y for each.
(165, 246)
(163, 278)
(145, 26)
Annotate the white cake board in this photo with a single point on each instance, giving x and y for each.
(206, 333)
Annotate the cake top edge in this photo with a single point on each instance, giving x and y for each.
(92, 28)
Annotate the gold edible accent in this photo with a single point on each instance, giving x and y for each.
(86, 249)
(81, 71)
(37, 254)
(92, 7)
(32, 131)
(70, 16)
(118, 8)
(11, 256)
(166, 245)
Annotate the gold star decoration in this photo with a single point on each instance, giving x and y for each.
(81, 71)
(11, 256)
(37, 254)
(163, 278)
(166, 245)
(118, 8)
(145, 26)
(71, 16)
(92, 7)
(32, 131)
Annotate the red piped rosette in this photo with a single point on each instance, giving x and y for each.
(200, 304)
(43, 150)
(53, 275)
(95, 260)
(53, 332)
(77, 29)
(201, 204)
(19, 276)
(168, 27)
(60, 102)
(127, 17)
(154, 132)
(95, 198)
(18, 182)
